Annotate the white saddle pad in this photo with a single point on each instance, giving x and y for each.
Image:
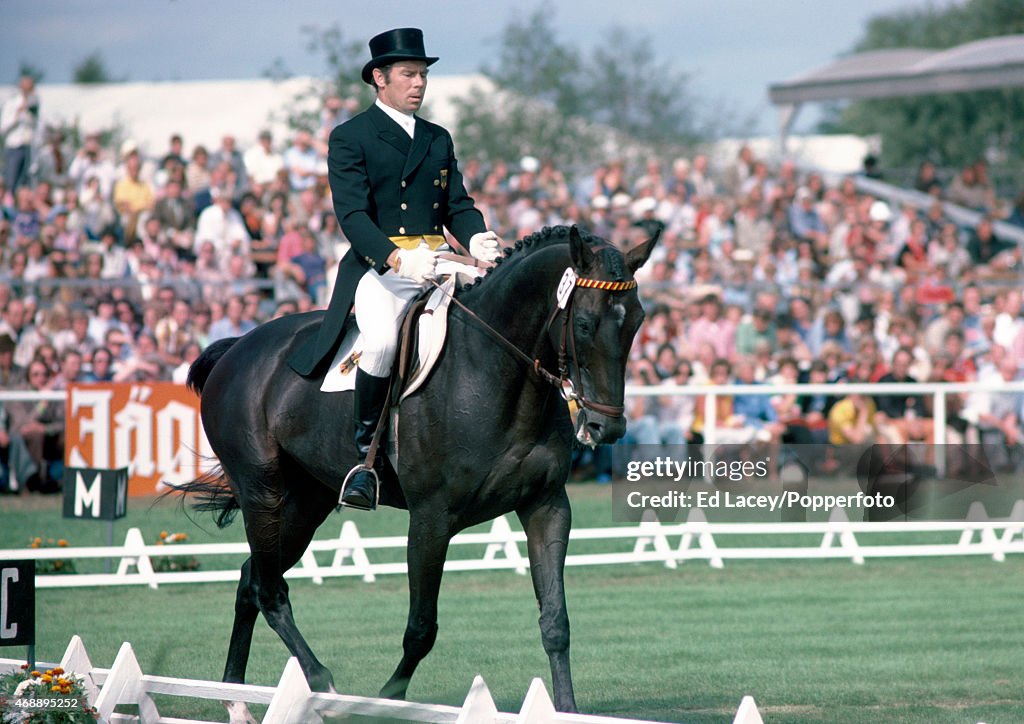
(433, 326)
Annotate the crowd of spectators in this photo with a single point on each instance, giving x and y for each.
(123, 265)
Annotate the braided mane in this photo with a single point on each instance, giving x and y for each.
(549, 236)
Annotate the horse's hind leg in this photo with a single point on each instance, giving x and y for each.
(426, 551)
(246, 610)
(547, 537)
(279, 526)
(283, 538)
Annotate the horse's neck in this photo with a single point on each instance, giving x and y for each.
(516, 303)
(520, 303)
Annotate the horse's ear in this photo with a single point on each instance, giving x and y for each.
(639, 254)
(582, 254)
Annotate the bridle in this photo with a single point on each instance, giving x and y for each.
(570, 389)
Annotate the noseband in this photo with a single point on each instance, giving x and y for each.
(566, 340)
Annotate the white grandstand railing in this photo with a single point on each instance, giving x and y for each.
(292, 701)
(937, 390)
(922, 201)
(652, 542)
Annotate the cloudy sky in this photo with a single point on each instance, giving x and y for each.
(731, 48)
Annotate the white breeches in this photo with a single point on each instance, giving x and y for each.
(379, 302)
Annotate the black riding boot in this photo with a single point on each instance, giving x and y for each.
(371, 396)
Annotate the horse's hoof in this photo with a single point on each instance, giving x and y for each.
(394, 690)
(238, 713)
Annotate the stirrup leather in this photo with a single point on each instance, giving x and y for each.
(344, 484)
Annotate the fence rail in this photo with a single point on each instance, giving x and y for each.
(292, 701)
(652, 542)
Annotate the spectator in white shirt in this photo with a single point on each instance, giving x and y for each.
(222, 225)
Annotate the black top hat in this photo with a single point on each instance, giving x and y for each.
(395, 45)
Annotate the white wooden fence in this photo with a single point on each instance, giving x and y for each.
(292, 701)
(669, 544)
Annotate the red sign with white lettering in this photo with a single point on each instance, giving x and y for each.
(153, 429)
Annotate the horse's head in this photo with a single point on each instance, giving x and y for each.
(602, 317)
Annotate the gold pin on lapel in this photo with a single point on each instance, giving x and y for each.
(444, 178)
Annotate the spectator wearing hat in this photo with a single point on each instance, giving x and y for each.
(92, 162)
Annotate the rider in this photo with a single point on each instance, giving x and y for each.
(395, 183)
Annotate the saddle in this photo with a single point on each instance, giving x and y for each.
(423, 327)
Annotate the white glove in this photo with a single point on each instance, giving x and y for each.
(417, 264)
(484, 246)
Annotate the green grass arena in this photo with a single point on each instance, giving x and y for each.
(894, 640)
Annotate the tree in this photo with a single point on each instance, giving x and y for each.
(343, 60)
(630, 90)
(949, 129)
(92, 69)
(534, 64)
(618, 98)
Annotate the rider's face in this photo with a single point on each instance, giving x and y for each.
(405, 85)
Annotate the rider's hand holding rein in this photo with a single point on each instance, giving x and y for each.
(485, 246)
(417, 264)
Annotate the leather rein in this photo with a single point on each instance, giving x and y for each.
(571, 391)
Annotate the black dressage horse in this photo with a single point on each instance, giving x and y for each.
(489, 433)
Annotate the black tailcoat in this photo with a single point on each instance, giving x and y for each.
(385, 184)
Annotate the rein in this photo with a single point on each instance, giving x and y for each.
(567, 339)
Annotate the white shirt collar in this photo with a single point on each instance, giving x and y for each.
(406, 120)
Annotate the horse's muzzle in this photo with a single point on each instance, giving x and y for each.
(593, 428)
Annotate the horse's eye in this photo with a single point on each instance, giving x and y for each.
(585, 327)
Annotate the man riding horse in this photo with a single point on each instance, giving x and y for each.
(395, 183)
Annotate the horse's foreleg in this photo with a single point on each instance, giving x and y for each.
(427, 549)
(547, 537)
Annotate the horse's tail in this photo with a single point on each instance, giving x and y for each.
(213, 494)
(205, 362)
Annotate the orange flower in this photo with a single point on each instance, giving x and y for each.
(46, 678)
(35, 674)
(54, 688)
(62, 543)
(57, 671)
(163, 534)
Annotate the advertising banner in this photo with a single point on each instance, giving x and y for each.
(153, 429)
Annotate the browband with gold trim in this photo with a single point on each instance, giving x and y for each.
(605, 285)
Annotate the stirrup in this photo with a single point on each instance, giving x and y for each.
(344, 484)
